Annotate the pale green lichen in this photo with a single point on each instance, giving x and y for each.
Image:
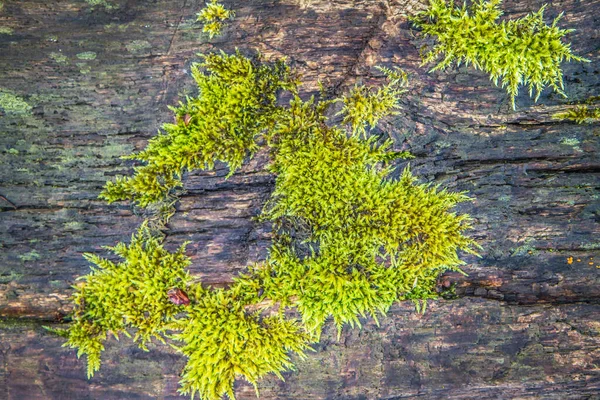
(59, 58)
(12, 277)
(102, 3)
(573, 142)
(5, 30)
(31, 256)
(570, 141)
(87, 55)
(138, 46)
(526, 249)
(12, 151)
(13, 104)
(84, 68)
(591, 246)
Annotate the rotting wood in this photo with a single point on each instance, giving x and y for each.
(534, 180)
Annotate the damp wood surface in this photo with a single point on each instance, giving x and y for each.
(85, 82)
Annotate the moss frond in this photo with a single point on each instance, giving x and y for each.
(213, 16)
(365, 106)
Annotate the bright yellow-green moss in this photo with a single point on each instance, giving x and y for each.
(349, 240)
(129, 294)
(364, 102)
(518, 52)
(224, 341)
(213, 17)
(237, 103)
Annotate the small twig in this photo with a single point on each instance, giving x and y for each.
(8, 201)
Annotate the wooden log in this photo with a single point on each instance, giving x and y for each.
(90, 83)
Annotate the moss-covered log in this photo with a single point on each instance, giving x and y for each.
(84, 82)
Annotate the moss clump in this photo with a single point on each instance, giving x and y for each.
(131, 294)
(580, 114)
(238, 103)
(224, 341)
(349, 240)
(518, 52)
(12, 104)
(213, 16)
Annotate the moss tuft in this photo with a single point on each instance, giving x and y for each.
(518, 52)
(213, 16)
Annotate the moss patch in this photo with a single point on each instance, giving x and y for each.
(5, 30)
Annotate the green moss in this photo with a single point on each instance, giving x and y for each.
(13, 151)
(13, 104)
(87, 55)
(349, 239)
(138, 46)
(518, 52)
(130, 294)
(222, 341)
(580, 114)
(5, 30)
(213, 17)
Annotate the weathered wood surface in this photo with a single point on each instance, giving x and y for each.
(527, 322)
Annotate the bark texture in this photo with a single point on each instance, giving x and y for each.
(90, 81)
